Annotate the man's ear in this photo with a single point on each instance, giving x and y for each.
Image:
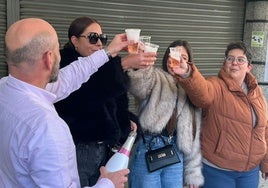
(48, 60)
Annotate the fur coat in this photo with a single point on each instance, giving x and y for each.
(98, 111)
(158, 93)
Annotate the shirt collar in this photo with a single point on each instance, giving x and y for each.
(31, 89)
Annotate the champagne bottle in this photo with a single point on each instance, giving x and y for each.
(120, 159)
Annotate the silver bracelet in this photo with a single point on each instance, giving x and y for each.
(108, 53)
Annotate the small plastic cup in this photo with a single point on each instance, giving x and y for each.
(145, 39)
(150, 47)
(175, 54)
(133, 34)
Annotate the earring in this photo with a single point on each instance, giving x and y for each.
(76, 48)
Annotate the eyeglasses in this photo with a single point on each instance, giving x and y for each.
(94, 37)
(239, 60)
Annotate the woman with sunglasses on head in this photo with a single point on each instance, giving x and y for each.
(97, 113)
(234, 122)
(167, 118)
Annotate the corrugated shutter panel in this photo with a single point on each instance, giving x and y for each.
(209, 25)
(3, 25)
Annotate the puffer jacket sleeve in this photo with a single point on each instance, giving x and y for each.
(193, 160)
(264, 163)
(200, 91)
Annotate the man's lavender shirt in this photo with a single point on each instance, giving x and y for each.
(36, 145)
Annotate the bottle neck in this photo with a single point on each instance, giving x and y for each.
(126, 148)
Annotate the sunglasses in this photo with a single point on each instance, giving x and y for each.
(94, 37)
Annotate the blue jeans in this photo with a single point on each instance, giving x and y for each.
(167, 177)
(217, 178)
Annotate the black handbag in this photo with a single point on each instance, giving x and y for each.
(161, 157)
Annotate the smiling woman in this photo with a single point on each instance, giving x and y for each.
(234, 132)
(97, 113)
(170, 125)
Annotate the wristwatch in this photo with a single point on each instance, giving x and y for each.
(108, 53)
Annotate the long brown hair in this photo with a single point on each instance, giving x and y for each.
(77, 27)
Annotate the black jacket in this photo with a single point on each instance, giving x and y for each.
(98, 111)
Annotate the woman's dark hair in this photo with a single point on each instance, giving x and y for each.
(239, 45)
(183, 43)
(78, 26)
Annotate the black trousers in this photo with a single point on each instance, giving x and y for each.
(90, 157)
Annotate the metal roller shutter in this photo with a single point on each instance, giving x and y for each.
(3, 25)
(209, 25)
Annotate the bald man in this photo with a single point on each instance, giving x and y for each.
(36, 146)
